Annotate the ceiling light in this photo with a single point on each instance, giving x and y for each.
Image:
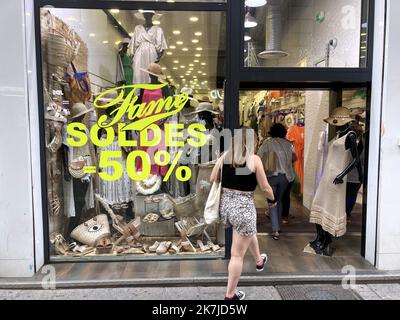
(191, 69)
(198, 34)
(255, 3)
(197, 61)
(199, 49)
(182, 77)
(156, 23)
(204, 74)
(179, 43)
(176, 32)
(195, 41)
(163, 68)
(203, 64)
(194, 77)
(175, 68)
(185, 49)
(183, 67)
(172, 47)
(199, 72)
(194, 19)
(92, 35)
(250, 21)
(191, 65)
(169, 53)
(198, 55)
(117, 42)
(247, 37)
(176, 61)
(114, 10)
(105, 42)
(131, 34)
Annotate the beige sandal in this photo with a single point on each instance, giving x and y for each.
(203, 248)
(163, 247)
(214, 247)
(176, 247)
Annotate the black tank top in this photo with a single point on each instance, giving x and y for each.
(243, 182)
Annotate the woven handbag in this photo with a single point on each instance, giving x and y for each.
(79, 86)
(186, 206)
(92, 231)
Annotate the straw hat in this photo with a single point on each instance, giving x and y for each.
(205, 107)
(205, 99)
(149, 186)
(107, 98)
(193, 102)
(140, 14)
(79, 109)
(339, 117)
(155, 70)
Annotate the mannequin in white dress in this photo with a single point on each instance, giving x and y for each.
(147, 46)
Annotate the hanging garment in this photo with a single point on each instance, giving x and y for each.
(148, 96)
(120, 191)
(145, 47)
(329, 206)
(296, 136)
(125, 70)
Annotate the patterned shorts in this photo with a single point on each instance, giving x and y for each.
(238, 210)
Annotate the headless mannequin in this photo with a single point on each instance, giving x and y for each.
(324, 239)
(148, 24)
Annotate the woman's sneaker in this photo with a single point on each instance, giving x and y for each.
(260, 268)
(239, 295)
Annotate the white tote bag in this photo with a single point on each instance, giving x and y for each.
(211, 211)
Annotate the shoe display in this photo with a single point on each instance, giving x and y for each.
(163, 247)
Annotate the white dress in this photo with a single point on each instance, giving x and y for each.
(145, 46)
(329, 205)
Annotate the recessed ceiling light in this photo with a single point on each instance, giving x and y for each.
(197, 55)
(119, 22)
(199, 72)
(175, 68)
(185, 49)
(198, 34)
(183, 67)
(179, 43)
(156, 23)
(191, 69)
(197, 61)
(105, 42)
(114, 10)
(194, 77)
(172, 47)
(131, 34)
(176, 61)
(176, 32)
(92, 35)
(194, 19)
(204, 74)
(255, 3)
(169, 53)
(203, 64)
(182, 77)
(191, 65)
(195, 41)
(199, 49)
(163, 68)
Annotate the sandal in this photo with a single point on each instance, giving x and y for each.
(203, 248)
(188, 247)
(214, 247)
(60, 244)
(154, 247)
(163, 247)
(176, 247)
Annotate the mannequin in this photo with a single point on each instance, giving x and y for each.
(328, 209)
(146, 46)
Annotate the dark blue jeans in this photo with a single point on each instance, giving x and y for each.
(279, 185)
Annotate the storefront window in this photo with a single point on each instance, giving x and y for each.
(303, 33)
(133, 111)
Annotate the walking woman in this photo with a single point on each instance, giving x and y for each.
(242, 171)
(278, 155)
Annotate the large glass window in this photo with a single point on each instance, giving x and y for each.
(133, 110)
(304, 33)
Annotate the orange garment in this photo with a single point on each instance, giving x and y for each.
(296, 136)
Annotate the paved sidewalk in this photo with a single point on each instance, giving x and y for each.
(298, 292)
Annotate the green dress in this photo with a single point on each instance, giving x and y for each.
(128, 70)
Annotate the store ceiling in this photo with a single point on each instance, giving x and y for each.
(196, 40)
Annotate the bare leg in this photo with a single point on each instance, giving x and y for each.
(255, 249)
(240, 245)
